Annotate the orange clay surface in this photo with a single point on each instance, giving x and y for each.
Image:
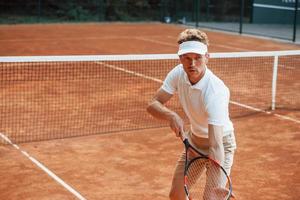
(139, 164)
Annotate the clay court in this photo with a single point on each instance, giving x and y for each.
(126, 161)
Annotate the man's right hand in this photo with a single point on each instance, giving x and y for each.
(177, 124)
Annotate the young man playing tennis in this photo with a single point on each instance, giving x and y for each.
(204, 98)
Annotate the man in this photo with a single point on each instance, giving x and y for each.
(204, 98)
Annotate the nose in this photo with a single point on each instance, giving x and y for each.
(194, 62)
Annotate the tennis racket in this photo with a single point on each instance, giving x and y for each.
(204, 178)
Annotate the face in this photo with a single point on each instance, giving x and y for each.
(194, 65)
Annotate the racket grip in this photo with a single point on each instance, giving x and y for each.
(182, 135)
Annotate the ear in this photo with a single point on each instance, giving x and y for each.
(207, 55)
(180, 58)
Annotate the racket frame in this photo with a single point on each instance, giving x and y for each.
(189, 146)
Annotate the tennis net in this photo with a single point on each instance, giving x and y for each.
(50, 97)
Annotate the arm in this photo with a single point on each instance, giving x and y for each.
(216, 152)
(158, 110)
(215, 139)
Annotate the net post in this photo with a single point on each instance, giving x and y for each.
(274, 82)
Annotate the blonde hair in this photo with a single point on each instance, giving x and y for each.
(192, 35)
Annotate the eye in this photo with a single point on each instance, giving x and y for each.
(187, 58)
(198, 58)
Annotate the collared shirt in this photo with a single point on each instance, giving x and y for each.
(205, 102)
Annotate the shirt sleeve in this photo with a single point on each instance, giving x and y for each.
(217, 109)
(170, 83)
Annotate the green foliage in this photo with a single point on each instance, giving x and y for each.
(30, 11)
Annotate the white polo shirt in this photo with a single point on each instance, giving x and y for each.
(205, 102)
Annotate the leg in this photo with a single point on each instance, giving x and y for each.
(177, 188)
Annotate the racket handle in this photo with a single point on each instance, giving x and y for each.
(182, 135)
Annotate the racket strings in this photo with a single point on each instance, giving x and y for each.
(205, 180)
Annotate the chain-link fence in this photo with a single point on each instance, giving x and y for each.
(18, 11)
(277, 19)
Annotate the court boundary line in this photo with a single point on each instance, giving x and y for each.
(43, 168)
(151, 40)
(284, 117)
(176, 45)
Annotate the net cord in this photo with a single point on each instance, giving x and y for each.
(129, 57)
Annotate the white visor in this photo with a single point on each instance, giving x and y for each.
(192, 47)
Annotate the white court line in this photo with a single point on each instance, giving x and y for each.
(266, 112)
(287, 118)
(87, 38)
(156, 41)
(119, 37)
(232, 102)
(66, 39)
(176, 45)
(232, 47)
(130, 72)
(44, 168)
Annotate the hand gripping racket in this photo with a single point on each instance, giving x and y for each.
(204, 178)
